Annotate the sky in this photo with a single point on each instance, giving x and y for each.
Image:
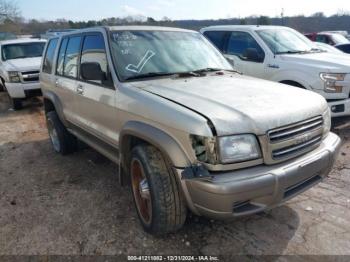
(175, 9)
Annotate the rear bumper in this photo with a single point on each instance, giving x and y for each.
(21, 90)
(252, 190)
(340, 107)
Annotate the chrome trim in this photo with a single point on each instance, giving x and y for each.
(276, 154)
(287, 142)
(28, 76)
(316, 124)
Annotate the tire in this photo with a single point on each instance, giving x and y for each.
(165, 205)
(62, 141)
(16, 103)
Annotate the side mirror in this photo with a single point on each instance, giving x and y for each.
(230, 60)
(251, 54)
(92, 71)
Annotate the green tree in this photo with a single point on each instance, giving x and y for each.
(243, 21)
(263, 20)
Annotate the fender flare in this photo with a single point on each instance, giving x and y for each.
(54, 99)
(156, 137)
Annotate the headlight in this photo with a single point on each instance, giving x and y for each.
(330, 80)
(327, 121)
(14, 77)
(238, 148)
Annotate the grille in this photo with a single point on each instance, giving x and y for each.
(294, 140)
(30, 76)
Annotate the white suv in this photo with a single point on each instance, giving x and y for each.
(19, 68)
(283, 55)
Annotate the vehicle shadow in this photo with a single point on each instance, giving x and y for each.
(69, 205)
(31, 104)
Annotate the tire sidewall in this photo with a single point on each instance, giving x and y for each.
(139, 155)
(51, 119)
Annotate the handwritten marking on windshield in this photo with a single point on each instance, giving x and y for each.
(138, 68)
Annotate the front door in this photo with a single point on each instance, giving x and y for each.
(246, 55)
(96, 98)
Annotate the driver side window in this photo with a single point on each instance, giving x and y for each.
(244, 46)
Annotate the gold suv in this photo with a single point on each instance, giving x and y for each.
(187, 131)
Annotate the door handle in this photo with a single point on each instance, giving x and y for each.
(56, 82)
(80, 90)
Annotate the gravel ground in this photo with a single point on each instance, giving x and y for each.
(73, 205)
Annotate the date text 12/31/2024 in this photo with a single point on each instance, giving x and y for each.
(173, 258)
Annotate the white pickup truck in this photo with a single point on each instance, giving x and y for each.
(283, 55)
(20, 62)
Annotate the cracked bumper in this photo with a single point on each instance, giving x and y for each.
(252, 190)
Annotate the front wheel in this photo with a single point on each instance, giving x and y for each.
(157, 196)
(16, 103)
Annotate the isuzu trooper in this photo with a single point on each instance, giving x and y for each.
(187, 132)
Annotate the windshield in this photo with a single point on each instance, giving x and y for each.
(282, 41)
(137, 53)
(339, 39)
(23, 50)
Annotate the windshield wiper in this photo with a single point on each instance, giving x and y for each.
(148, 75)
(293, 52)
(17, 57)
(317, 50)
(195, 73)
(212, 69)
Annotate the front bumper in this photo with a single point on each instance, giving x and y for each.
(252, 190)
(340, 107)
(22, 90)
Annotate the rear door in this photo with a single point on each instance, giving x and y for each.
(47, 77)
(66, 75)
(96, 99)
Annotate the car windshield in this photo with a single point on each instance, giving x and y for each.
(153, 53)
(22, 50)
(282, 41)
(340, 39)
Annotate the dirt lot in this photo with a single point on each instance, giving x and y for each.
(50, 204)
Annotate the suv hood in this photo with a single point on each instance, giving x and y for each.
(23, 64)
(238, 104)
(328, 62)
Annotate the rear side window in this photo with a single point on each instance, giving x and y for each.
(94, 51)
(70, 64)
(61, 55)
(50, 53)
(217, 38)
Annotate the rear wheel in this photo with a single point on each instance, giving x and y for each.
(157, 197)
(62, 141)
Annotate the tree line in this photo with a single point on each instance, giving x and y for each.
(12, 21)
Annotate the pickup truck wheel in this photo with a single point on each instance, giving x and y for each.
(62, 141)
(156, 194)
